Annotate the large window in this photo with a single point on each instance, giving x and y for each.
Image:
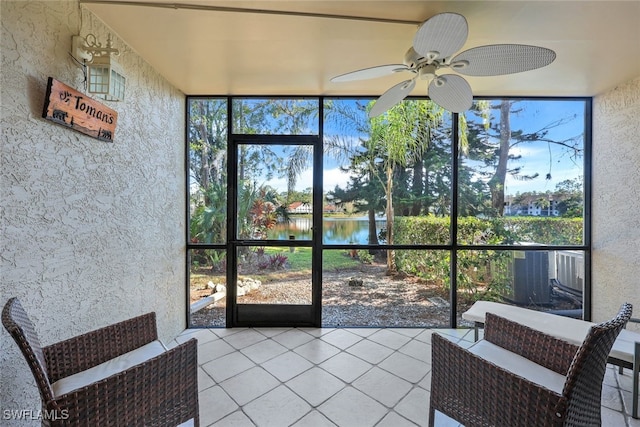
(422, 212)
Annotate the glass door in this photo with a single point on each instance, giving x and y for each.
(273, 244)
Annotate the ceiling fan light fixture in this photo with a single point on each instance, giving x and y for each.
(428, 72)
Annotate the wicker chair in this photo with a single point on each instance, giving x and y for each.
(517, 376)
(119, 375)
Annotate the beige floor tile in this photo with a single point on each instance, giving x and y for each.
(354, 377)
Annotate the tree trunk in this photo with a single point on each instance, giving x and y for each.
(204, 163)
(391, 255)
(373, 233)
(496, 184)
(241, 163)
(417, 187)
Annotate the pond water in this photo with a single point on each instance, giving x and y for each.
(352, 230)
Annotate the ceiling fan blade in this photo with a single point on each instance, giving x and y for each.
(370, 73)
(499, 59)
(451, 92)
(392, 96)
(441, 36)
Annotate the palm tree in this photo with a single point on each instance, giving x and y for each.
(399, 137)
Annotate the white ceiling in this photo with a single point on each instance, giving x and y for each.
(203, 51)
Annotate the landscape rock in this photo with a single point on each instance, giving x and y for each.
(356, 281)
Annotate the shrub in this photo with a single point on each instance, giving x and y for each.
(481, 273)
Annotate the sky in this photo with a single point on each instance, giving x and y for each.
(544, 158)
(536, 157)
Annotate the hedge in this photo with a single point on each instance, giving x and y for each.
(481, 273)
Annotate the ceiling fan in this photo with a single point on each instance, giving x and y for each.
(436, 40)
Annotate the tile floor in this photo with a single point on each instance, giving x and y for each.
(335, 377)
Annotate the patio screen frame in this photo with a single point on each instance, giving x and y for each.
(453, 247)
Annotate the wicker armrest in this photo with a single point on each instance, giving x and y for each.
(462, 380)
(162, 391)
(88, 350)
(541, 348)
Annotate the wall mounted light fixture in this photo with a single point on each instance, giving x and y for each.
(104, 75)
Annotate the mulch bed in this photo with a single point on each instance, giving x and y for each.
(360, 297)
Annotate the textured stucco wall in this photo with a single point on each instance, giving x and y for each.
(616, 200)
(92, 232)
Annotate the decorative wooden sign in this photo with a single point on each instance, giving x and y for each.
(68, 107)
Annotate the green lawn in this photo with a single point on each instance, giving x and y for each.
(300, 259)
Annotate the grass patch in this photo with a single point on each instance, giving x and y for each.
(338, 259)
(300, 259)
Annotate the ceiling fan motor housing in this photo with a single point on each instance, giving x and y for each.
(412, 58)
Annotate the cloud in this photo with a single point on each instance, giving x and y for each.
(333, 177)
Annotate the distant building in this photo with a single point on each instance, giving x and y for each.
(514, 209)
(535, 209)
(300, 207)
(531, 206)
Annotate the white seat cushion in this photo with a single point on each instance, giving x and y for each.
(571, 330)
(565, 328)
(108, 368)
(624, 346)
(188, 423)
(519, 365)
